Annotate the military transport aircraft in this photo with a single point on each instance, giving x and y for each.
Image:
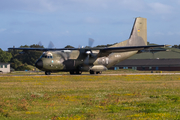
(94, 60)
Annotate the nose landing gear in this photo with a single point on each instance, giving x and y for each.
(47, 73)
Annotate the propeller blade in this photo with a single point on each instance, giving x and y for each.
(87, 60)
(40, 43)
(91, 41)
(51, 45)
(89, 52)
(80, 46)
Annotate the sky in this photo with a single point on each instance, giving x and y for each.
(73, 22)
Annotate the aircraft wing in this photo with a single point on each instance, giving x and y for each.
(107, 51)
(103, 51)
(43, 49)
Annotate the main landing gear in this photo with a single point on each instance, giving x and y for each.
(47, 73)
(75, 72)
(93, 72)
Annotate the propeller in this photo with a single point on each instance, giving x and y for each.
(91, 41)
(86, 61)
(40, 43)
(89, 52)
(51, 45)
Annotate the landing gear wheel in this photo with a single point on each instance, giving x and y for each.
(78, 72)
(92, 72)
(75, 72)
(99, 72)
(47, 73)
(71, 72)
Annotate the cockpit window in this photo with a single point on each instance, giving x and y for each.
(46, 55)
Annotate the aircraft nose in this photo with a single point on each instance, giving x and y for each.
(39, 64)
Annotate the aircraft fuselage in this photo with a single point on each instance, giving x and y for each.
(77, 62)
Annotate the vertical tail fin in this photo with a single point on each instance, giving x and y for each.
(138, 36)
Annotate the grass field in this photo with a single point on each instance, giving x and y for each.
(120, 71)
(66, 97)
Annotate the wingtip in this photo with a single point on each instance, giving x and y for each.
(167, 45)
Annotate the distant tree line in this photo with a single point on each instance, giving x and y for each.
(176, 46)
(5, 56)
(20, 60)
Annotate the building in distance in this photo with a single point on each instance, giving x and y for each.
(4, 67)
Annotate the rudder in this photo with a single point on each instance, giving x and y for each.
(138, 36)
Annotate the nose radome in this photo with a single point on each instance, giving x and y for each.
(39, 64)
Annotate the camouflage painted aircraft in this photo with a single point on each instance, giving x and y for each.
(94, 60)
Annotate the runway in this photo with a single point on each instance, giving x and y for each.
(3, 75)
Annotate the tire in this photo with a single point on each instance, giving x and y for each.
(47, 73)
(99, 72)
(78, 72)
(91, 72)
(71, 72)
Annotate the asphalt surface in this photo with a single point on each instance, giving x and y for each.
(100, 74)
